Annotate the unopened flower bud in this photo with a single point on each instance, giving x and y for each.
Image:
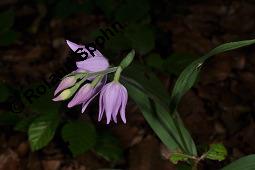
(65, 83)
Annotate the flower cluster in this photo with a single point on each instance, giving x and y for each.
(89, 80)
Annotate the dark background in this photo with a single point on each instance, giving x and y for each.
(167, 35)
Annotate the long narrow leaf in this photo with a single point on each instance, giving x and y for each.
(189, 75)
(187, 139)
(148, 84)
(160, 119)
(143, 103)
(175, 126)
(167, 125)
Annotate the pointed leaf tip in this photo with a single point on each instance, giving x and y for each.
(128, 59)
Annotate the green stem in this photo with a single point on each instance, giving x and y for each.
(117, 74)
(81, 81)
(86, 74)
(96, 80)
(187, 156)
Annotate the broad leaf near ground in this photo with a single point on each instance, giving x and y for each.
(42, 130)
(81, 136)
(108, 146)
(217, 152)
(176, 157)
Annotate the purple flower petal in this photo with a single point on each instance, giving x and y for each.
(94, 64)
(101, 104)
(85, 105)
(116, 107)
(124, 99)
(113, 99)
(83, 95)
(58, 98)
(79, 70)
(107, 100)
(110, 100)
(96, 91)
(75, 46)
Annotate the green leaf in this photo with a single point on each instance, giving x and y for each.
(6, 20)
(42, 130)
(217, 152)
(164, 123)
(142, 89)
(108, 146)
(176, 157)
(128, 59)
(186, 138)
(9, 118)
(4, 92)
(8, 37)
(189, 75)
(81, 136)
(144, 105)
(94, 74)
(244, 163)
(177, 129)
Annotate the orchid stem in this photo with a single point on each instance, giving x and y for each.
(117, 74)
(96, 81)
